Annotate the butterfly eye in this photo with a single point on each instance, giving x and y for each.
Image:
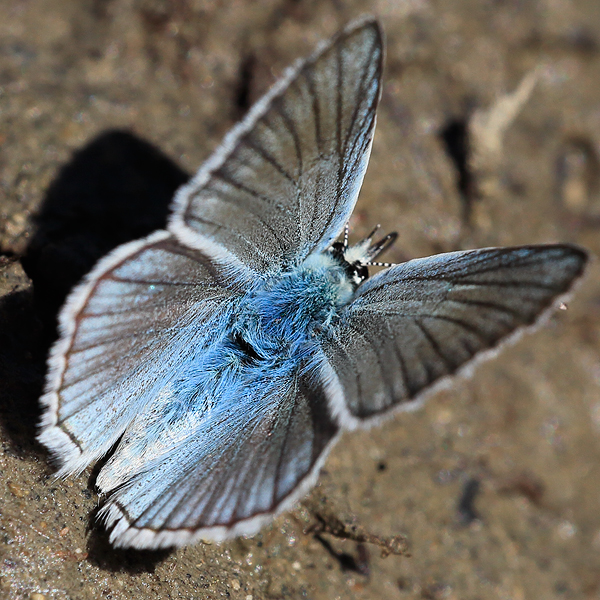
(361, 272)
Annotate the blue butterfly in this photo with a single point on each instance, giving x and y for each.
(223, 357)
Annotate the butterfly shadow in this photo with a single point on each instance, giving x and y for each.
(115, 189)
(108, 558)
(21, 370)
(102, 554)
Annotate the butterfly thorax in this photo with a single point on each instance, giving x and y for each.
(271, 333)
(278, 320)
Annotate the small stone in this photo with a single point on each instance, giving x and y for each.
(566, 530)
(16, 490)
(235, 584)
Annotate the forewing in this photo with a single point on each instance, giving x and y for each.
(286, 179)
(221, 473)
(416, 323)
(123, 332)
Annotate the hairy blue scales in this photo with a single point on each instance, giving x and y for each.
(269, 331)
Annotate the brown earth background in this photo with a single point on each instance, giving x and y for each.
(107, 106)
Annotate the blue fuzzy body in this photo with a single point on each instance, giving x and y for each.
(254, 348)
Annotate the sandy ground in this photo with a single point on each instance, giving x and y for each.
(107, 106)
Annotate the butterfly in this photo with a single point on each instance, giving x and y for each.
(218, 361)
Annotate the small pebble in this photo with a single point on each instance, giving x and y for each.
(566, 530)
(16, 490)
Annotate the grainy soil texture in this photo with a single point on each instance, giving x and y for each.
(488, 134)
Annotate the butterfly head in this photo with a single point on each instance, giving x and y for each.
(357, 259)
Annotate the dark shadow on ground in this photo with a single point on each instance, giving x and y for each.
(109, 558)
(116, 189)
(22, 359)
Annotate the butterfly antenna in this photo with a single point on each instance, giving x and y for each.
(346, 234)
(380, 264)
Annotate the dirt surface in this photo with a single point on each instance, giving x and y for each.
(106, 107)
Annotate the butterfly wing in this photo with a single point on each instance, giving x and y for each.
(122, 332)
(219, 473)
(414, 324)
(286, 178)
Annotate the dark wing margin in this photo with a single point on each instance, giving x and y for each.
(122, 331)
(286, 178)
(413, 325)
(237, 470)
